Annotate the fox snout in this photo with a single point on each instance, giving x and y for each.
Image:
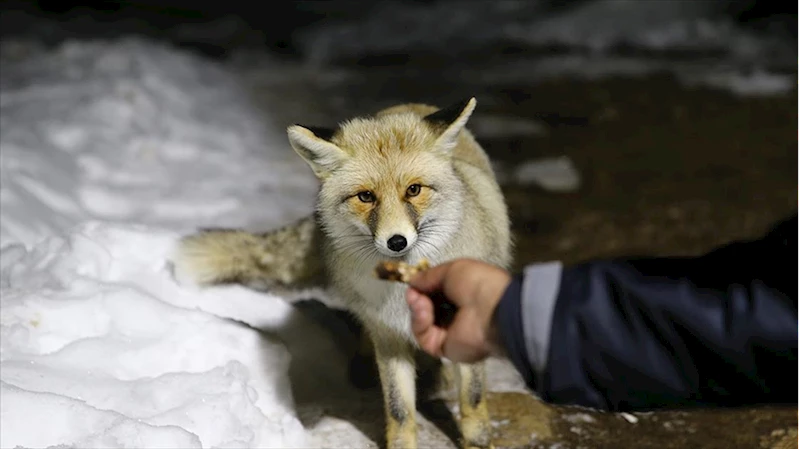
(397, 243)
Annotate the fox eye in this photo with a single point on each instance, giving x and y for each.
(414, 190)
(366, 196)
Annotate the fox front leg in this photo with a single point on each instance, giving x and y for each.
(474, 422)
(397, 369)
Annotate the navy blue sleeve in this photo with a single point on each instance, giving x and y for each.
(647, 333)
(510, 330)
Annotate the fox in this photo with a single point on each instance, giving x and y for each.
(407, 183)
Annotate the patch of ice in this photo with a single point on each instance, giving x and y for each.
(554, 174)
(502, 423)
(576, 430)
(579, 418)
(630, 418)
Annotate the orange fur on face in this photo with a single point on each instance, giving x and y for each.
(421, 202)
(391, 201)
(386, 155)
(360, 209)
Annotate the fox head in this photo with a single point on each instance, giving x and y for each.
(388, 182)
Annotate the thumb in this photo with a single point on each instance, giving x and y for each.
(445, 283)
(430, 337)
(433, 279)
(430, 280)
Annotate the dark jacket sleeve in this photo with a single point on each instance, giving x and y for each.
(647, 333)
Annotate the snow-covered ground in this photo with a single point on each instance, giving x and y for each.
(133, 132)
(99, 342)
(109, 152)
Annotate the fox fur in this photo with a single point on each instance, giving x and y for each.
(407, 183)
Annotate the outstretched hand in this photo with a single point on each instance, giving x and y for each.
(473, 287)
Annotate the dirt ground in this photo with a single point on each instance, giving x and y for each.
(666, 170)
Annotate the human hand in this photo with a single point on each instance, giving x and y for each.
(475, 288)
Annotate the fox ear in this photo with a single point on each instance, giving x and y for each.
(313, 145)
(451, 121)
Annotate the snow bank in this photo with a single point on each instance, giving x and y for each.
(129, 131)
(95, 337)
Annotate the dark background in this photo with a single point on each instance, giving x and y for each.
(274, 24)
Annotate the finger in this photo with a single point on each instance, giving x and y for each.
(430, 337)
(431, 279)
(421, 311)
(432, 341)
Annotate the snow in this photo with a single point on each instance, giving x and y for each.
(127, 131)
(97, 335)
(108, 150)
(630, 418)
(695, 41)
(556, 174)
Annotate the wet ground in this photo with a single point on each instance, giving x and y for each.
(666, 170)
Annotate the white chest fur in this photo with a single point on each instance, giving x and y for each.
(381, 302)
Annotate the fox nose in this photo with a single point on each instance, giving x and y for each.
(397, 243)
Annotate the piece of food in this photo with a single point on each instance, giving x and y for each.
(390, 270)
(399, 271)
